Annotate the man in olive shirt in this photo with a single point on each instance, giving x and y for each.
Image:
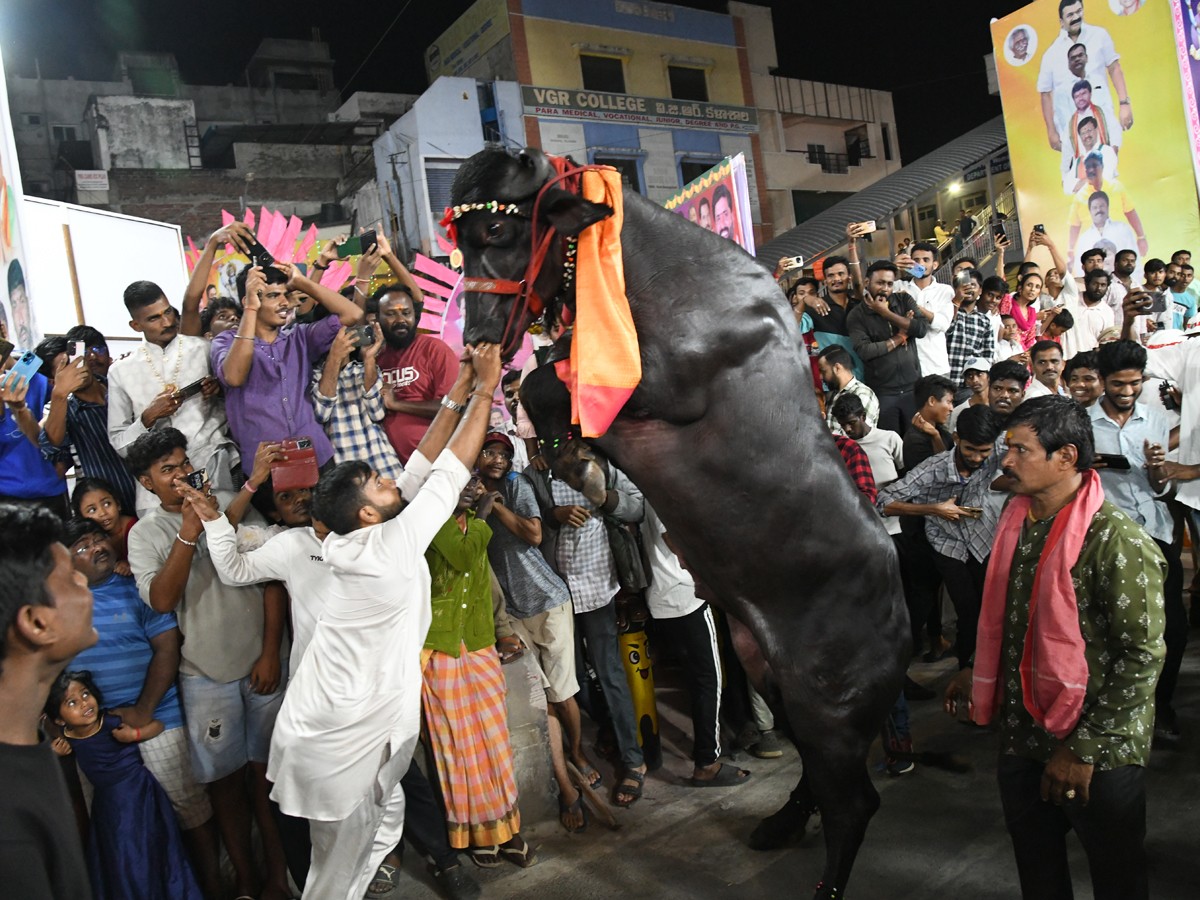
(1092, 779)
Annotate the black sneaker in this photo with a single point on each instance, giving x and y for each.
(769, 745)
(456, 883)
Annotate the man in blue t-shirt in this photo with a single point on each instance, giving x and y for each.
(1181, 306)
(25, 475)
(134, 665)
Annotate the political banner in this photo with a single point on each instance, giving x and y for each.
(719, 200)
(16, 305)
(1185, 16)
(1097, 132)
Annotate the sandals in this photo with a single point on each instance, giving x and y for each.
(631, 785)
(486, 857)
(592, 776)
(576, 807)
(727, 776)
(385, 875)
(521, 855)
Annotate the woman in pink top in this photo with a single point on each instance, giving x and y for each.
(1025, 308)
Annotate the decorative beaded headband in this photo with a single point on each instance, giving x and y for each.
(457, 212)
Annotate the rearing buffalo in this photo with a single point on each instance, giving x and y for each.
(724, 438)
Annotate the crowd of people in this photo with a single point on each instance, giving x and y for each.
(313, 535)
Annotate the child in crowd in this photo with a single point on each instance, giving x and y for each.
(95, 499)
(1007, 345)
(135, 849)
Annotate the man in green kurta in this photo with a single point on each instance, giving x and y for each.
(1086, 773)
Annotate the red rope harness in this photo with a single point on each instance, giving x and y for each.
(541, 236)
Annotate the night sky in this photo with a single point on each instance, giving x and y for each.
(929, 55)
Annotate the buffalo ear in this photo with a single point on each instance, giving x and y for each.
(569, 213)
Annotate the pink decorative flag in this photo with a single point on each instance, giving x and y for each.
(287, 244)
(248, 219)
(306, 245)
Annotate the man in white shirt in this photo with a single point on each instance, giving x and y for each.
(936, 303)
(1094, 58)
(143, 391)
(1091, 313)
(346, 732)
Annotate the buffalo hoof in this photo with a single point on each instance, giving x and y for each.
(777, 829)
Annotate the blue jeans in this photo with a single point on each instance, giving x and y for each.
(598, 630)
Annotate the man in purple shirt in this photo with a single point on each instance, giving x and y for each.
(266, 370)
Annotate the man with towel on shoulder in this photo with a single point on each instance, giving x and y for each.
(1070, 646)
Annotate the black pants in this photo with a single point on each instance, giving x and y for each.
(695, 636)
(1112, 829)
(964, 584)
(1176, 632)
(921, 580)
(58, 504)
(424, 826)
(896, 411)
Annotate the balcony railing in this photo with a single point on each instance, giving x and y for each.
(833, 163)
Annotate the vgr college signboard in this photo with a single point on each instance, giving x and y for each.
(598, 106)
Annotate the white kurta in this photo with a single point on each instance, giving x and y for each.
(1181, 364)
(355, 701)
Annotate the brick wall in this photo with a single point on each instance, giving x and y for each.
(193, 199)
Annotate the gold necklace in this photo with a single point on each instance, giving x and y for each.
(169, 386)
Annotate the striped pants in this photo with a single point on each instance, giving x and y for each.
(696, 636)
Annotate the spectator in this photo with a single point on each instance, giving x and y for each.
(1059, 323)
(265, 369)
(993, 292)
(233, 638)
(26, 477)
(1007, 345)
(940, 234)
(1181, 307)
(829, 310)
(883, 333)
(76, 426)
(1025, 308)
(1088, 737)
(836, 367)
(975, 377)
(142, 390)
(1124, 426)
(1047, 359)
(220, 315)
(46, 616)
(463, 691)
(970, 334)
(934, 396)
(949, 490)
(95, 349)
(95, 500)
(539, 606)
(935, 303)
(1091, 314)
(347, 396)
(1082, 377)
(1006, 388)
(510, 386)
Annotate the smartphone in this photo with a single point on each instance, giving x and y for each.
(998, 231)
(364, 335)
(367, 240)
(351, 246)
(27, 365)
(196, 479)
(917, 270)
(1158, 302)
(973, 511)
(6, 349)
(1114, 460)
(75, 349)
(299, 470)
(189, 390)
(1040, 229)
(792, 262)
(868, 227)
(259, 255)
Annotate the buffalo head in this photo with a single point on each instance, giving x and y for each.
(497, 243)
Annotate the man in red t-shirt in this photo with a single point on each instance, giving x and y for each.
(417, 370)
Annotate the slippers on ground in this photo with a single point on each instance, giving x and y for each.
(630, 785)
(486, 857)
(521, 855)
(727, 776)
(576, 808)
(385, 875)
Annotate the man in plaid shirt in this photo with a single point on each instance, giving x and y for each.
(970, 333)
(950, 491)
(858, 465)
(347, 400)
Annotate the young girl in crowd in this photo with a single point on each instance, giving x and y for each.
(95, 499)
(135, 849)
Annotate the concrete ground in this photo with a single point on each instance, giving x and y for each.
(936, 835)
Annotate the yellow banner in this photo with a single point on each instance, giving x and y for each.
(1096, 128)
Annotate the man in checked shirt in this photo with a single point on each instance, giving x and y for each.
(950, 490)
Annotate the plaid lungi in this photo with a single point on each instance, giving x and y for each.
(466, 718)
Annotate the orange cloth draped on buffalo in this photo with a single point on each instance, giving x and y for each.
(605, 364)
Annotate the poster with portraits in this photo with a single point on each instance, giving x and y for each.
(719, 200)
(16, 307)
(1185, 16)
(1097, 133)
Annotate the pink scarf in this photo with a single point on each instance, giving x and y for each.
(1054, 671)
